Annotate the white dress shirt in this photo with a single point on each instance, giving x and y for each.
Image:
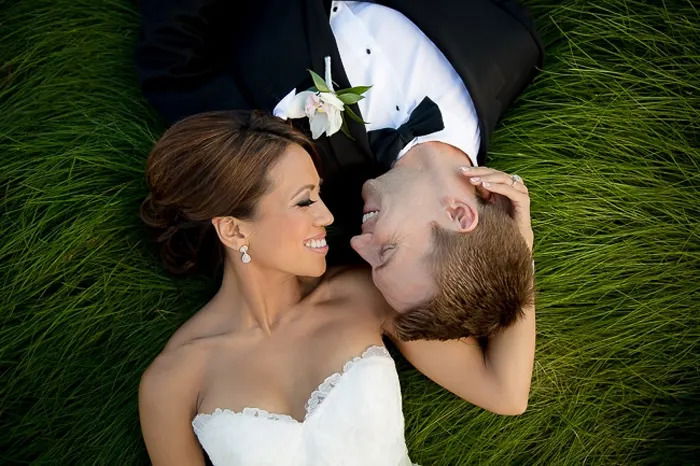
(380, 47)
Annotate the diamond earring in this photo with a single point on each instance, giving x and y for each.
(245, 257)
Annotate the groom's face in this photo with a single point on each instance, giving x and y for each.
(400, 208)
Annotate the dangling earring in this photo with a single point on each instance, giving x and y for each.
(245, 257)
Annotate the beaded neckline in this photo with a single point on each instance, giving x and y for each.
(313, 402)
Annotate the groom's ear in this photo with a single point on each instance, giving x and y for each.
(462, 215)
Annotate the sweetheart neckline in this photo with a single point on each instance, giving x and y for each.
(324, 385)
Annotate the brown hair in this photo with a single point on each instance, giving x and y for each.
(208, 165)
(484, 278)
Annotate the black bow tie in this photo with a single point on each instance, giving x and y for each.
(386, 143)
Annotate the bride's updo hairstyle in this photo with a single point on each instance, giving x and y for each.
(209, 165)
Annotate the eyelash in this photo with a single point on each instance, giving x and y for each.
(386, 248)
(306, 203)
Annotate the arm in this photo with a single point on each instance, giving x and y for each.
(181, 56)
(497, 379)
(167, 403)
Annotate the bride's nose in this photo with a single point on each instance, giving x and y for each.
(324, 217)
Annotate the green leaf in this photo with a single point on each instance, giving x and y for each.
(354, 116)
(350, 99)
(346, 131)
(353, 90)
(319, 82)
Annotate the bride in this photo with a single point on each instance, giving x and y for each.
(285, 365)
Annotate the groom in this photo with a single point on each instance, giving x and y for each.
(446, 253)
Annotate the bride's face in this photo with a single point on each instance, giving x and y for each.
(288, 231)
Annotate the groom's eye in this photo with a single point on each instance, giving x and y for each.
(386, 249)
(382, 253)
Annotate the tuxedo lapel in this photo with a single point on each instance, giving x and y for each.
(321, 43)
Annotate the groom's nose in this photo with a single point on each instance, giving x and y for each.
(363, 245)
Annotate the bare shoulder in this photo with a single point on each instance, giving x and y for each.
(182, 360)
(168, 395)
(348, 281)
(195, 331)
(174, 374)
(354, 285)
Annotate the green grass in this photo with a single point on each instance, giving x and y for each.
(606, 138)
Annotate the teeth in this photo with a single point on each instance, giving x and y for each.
(369, 215)
(316, 243)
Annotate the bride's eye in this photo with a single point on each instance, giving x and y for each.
(305, 203)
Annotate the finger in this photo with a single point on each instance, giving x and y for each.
(484, 193)
(476, 171)
(473, 175)
(521, 207)
(468, 172)
(484, 172)
(520, 199)
(501, 178)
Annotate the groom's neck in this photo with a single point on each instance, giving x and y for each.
(433, 157)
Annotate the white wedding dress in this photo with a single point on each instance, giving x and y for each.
(353, 418)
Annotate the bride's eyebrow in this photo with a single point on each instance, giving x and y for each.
(307, 186)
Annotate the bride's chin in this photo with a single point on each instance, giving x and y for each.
(318, 271)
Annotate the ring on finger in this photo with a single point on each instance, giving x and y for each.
(515, 179)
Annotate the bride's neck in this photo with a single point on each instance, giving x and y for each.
(258, 298)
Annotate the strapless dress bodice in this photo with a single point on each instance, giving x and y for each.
(354, 417)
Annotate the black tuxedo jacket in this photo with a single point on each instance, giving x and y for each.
(201, 55)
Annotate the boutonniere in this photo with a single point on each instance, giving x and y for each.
(322, 105)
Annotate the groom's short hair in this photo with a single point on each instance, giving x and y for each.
(484, 279)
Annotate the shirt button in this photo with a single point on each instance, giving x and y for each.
(397, 108)
(335, 8)
(368, 51)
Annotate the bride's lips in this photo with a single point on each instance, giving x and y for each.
(320, 244)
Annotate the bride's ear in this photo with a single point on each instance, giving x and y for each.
(462, 215)
(231, 231)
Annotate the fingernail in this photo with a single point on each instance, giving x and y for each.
(465, 168)
(486, 184)
(476, 179)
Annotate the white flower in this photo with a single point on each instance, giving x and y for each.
(284, 108)
(323, 109)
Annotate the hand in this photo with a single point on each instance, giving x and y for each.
(487, 181)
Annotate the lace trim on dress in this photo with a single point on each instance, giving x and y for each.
(315, 399)
(320, 394)
(201, 419)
